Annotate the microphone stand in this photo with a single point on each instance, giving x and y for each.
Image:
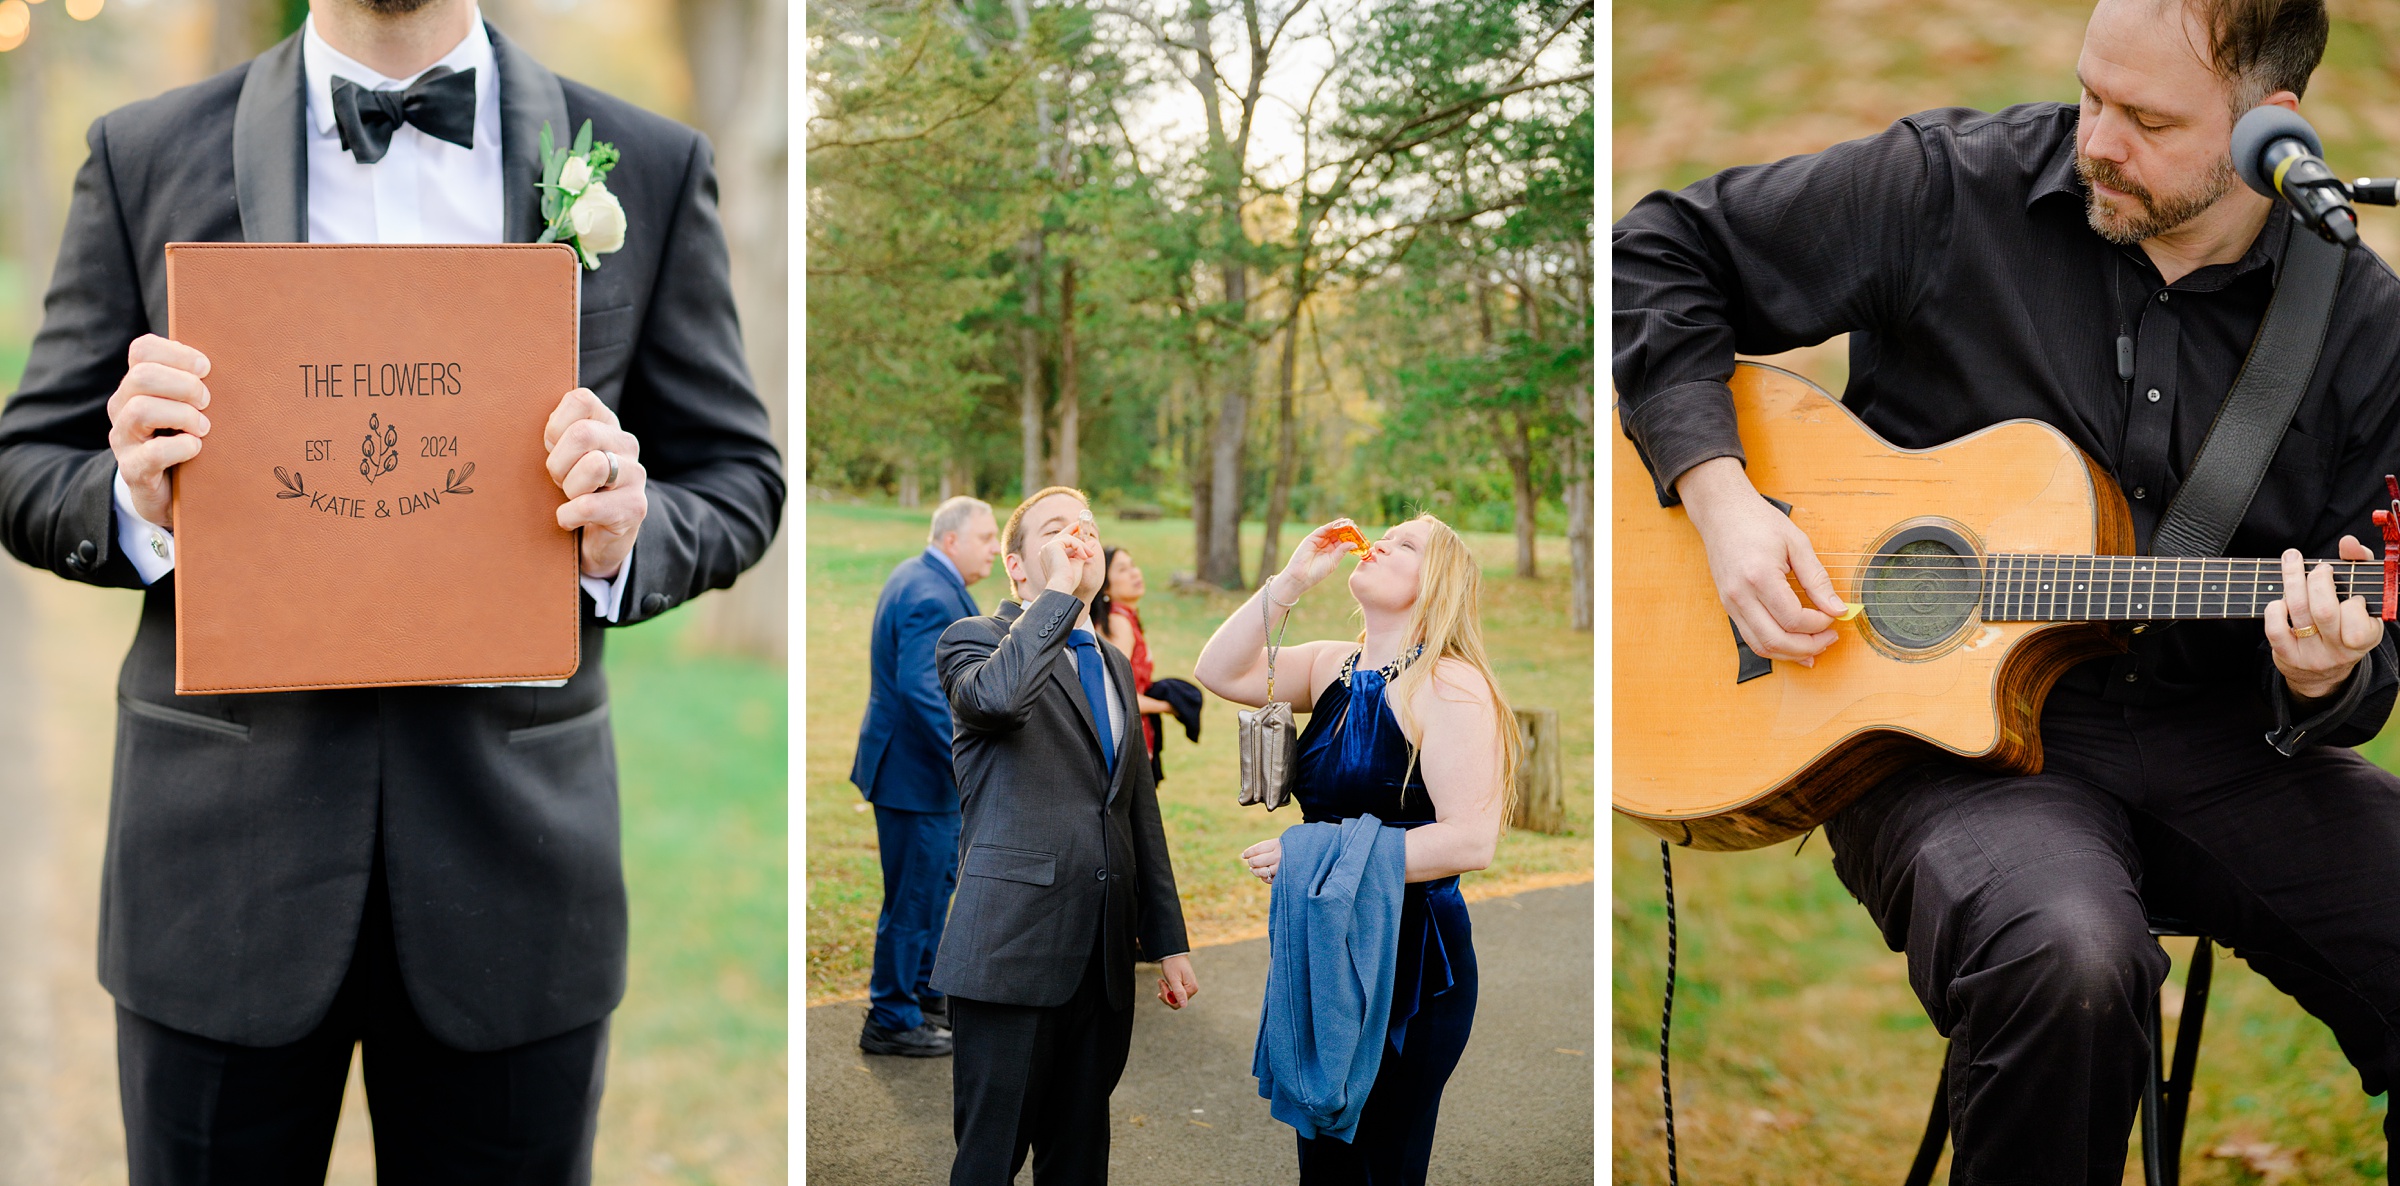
(2375, 191)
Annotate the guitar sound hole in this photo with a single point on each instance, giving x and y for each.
(1922, 588)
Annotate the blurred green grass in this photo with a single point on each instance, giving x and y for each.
(852, 548)
(697, 1075)
(1801, 1054)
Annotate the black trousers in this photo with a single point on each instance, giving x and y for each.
(1024, 1076)
(200, 1112)
(2022, 901)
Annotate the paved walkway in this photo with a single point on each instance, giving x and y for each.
(27, 1057)
(1518, 1112)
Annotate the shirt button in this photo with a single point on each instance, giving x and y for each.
(2154, 395)
(2162, 297)
(1101, 875)
(2132, 676)
(2141, 492)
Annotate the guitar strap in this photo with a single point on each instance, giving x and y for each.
(2283, 358)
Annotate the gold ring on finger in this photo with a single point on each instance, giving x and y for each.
(2308, 631)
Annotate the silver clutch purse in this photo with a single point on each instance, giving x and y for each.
(1269, 739)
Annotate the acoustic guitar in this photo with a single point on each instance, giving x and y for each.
(1983, 570)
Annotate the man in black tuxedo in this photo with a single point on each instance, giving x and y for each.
(431, 871)
(1064, 878)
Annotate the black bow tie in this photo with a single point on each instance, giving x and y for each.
(441, 104)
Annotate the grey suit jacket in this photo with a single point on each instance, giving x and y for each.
(243, 828)
(1057, 856)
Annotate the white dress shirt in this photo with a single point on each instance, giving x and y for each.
(424, 190)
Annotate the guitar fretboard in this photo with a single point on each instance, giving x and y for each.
(2041, 588)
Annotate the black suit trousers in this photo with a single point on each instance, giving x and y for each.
(1032, 1077)
(199, 1112)
(2022, 903)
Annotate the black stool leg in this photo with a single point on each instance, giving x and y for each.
(1937, 1130)
(2154, 1155)
(2177, 1091)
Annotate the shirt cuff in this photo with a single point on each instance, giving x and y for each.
(149, 546)
(2289, 736)
(608, 596)
(1681, 427)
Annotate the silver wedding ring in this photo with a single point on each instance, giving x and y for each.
(611, 481)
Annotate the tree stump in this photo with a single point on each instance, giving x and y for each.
(1542, 775)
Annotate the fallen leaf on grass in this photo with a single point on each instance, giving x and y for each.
(1137, 1121)
(1202, 1124)
(2271, 1162)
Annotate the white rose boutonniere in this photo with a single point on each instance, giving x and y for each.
(576, 203)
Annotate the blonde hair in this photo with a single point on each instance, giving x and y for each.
(1447, 620)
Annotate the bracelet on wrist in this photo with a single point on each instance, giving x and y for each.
(1269, 590)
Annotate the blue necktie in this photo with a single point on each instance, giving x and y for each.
(1088, 669)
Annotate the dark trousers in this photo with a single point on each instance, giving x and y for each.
(1026, 1077)
(1393, 1145)
(2021, 903)
(200, 1112)
(920, 869)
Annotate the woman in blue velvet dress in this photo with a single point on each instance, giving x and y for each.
(1407, 724)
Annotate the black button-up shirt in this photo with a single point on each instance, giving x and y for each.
(1953, 249)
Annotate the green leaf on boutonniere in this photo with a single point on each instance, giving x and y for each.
(583, 138)
(549, 143)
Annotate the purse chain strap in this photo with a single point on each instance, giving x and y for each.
(1266, 622)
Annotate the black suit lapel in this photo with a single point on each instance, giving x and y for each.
(1135, 744)
(529, 95)
(1063, 673)
(270, 149)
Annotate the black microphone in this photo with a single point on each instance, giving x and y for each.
(2279, 155)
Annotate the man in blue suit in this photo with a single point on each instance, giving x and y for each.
(903, 768)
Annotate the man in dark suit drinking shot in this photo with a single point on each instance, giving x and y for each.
(430, 872)
(1064, 878)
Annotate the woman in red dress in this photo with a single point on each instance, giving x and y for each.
(1113, 611)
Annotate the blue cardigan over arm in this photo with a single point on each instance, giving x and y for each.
(1333, 941)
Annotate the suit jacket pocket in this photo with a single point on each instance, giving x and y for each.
(230, 730)
(1010, 864)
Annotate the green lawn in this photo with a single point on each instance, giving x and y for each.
(698, 1077)
(851, 549)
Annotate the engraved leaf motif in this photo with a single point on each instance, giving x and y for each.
(291, 484)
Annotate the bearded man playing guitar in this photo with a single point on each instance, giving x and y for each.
(1987, 268)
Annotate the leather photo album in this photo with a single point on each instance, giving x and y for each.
(371, 507)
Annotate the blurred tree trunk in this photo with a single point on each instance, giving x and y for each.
(734, 50)
(1066, 451)
(1287, 449)
(34, 239)
(1519, 449)
(1029, 360)
(240, 29)
(1575, 450)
